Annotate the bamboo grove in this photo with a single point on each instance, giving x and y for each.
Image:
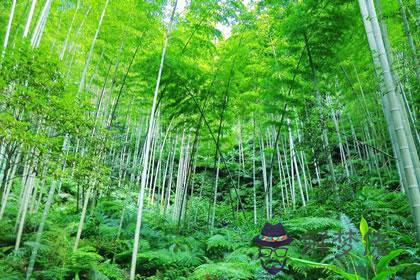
(203, 115)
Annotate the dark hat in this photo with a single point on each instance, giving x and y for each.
(273, 236)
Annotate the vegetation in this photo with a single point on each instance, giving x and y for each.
(154, 139)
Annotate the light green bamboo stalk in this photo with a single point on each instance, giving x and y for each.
(9, 25)
(147, 149)
(368, 12)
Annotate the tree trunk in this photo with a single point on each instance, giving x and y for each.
(39, 28)
(89, 57)
(66, 41)
(147, 150)
(213, 210)
(82, 218)
(294, 163)
(40, 231)
(265, 183)
(24, 206)
(8, 186)
(254, 193)
(9, 26)
(395, 109)
(410, 39)
(29, 20)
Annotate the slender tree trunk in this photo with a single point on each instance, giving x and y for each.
(162, 191)
(367, 9)
(168, 193)
(147, 151)
(254, 187)
(3, 161)
(39, 28)
(89, 57)
(184, 188)
(213, 209)
(24, 206)
(324, 134)
(9, 26)
(281, 178)
(317, 171)
(8, 185)
(29, 20)
(160, 160)
(82, 218)
(301, 160)
(270, 144)
(289, 176)
(40, 231)
(265, 183)
(151, 165)
(114, 108)
(340, 141)
(283, 181)
(410, 39)
(292, 175)
(66, 41)
(179, 177)
(294, 163)
(136, 152)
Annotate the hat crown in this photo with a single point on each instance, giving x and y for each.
(273, 230)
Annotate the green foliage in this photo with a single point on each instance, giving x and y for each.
(360, 264)
(382, 270)
(224, 271)
(84, 258)
(111, 271)
(311, 224)
(302, 66)
(218, 242)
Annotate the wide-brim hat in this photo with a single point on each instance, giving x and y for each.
(273, 236)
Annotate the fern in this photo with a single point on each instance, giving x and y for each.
(168, 263)
(261, 274)
(222, 271)
(305, 264)
(84, 258)
(219, 241)
(10, 266)
(187, 258)
(243, 254)
(52, 273)
(311, 224)
(110, 271)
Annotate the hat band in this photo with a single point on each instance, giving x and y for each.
(272, 238)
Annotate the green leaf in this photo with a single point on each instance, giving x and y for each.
(364, 228)
(392, 270)
(330, 267)
(385, 260)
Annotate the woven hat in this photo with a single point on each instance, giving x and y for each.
(273, 236)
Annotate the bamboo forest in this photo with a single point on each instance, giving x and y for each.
(209, 139)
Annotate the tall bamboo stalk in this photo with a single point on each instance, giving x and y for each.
(9, 25)
(92, 46)
(29, 20)
(40, 26)
(147, 149)
(377, 46)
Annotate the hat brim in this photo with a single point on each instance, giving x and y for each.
(273, 244)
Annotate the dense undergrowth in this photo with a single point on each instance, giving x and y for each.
(191, 251)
